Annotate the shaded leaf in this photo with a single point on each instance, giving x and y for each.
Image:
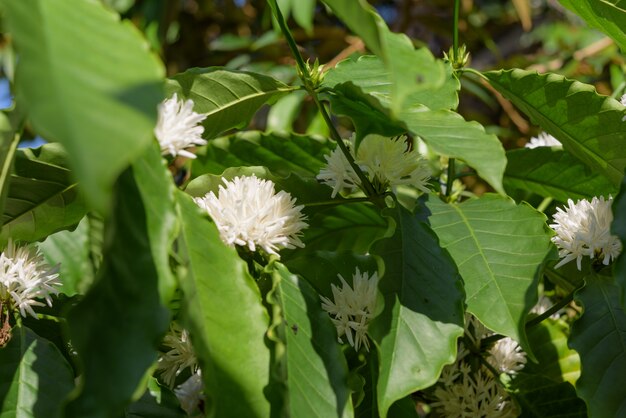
(94, 76)
(599, 336)
(117, 326)
(423, 316)
(156, 402)
(541, 397)
(609, 16)
(229, 98)
(498, 247)
(317, 373)
(216, 287)
(553, 173)
(43, 197)
(34, 377)
(589, 126)
(9, 140)
(618, 227)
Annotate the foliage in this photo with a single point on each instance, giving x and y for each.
(387, 290)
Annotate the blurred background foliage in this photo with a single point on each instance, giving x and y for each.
(240, 34)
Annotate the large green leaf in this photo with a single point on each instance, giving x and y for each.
(71, 250)
(43, 197)
(226, 318)
(588, 125)
(317, 373)
(229, 98)
(410, 70)
(541, 397)
(9, 139)
(607, 15)
(34, 377)
(156, 402)
(498, 247)
(553, 173)
(423, 316)
(117, 325)
(95, 91)
(618, 227)
(599, 336)
(283, 154)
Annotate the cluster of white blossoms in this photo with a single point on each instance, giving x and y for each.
(25, 279)
(178, 127)
(583, 229)
(387, 162)
(543, 140)
(179, 356)
(248, 212)
(353, 307)
(466, 391)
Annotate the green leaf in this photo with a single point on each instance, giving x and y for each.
(410, 70)
(106, 85)
(71, 251)
(599, 336)
(43, 197)
(228, 339)
(156, 402)
(282, 154)
(589, 126)
(303, 13)
(316, 368)
(498, 247)
(553, 173)
(9, 139)
(285, 111)
(34, 377)
(117, 326)
(368, 79)
(554, 358)
(609, 16)
(618, 227)
(541, 397)
(423, 315)
(229, 98)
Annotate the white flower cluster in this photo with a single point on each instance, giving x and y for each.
(179, 356)
(353, 307)
(25, 278)
(543, 140)
(623, 100)
(463, 391)
(249, 212)
(178, 127)
(387, 162)
(583, 229)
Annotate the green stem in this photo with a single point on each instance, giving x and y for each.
(289, 38)
(338, 201)
(544, 204)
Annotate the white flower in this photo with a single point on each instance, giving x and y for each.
(507, 356)
(387, 162)
(623, 100)
(178, 127)
(583, 229)
(179, 356)
(249, 212)
(338, 173)
(25, 278)
(353, 308)
(190, 393)
(543, 140)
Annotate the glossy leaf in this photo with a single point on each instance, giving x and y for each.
(423, 315)
(541, 397)
(609, 16)
(589, 126)
(316, 368)
(229, 98)
(216, 287)
(553, 173)
(43, 197)
(498, 247)
(71, 251)
(599, 336)
(282, 154)
(34, 377)
(410, 70)
(117, 326)
(94, 76)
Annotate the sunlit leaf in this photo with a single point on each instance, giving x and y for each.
(423, 316)
(95, 91)
(609, 16)
(498, 247)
